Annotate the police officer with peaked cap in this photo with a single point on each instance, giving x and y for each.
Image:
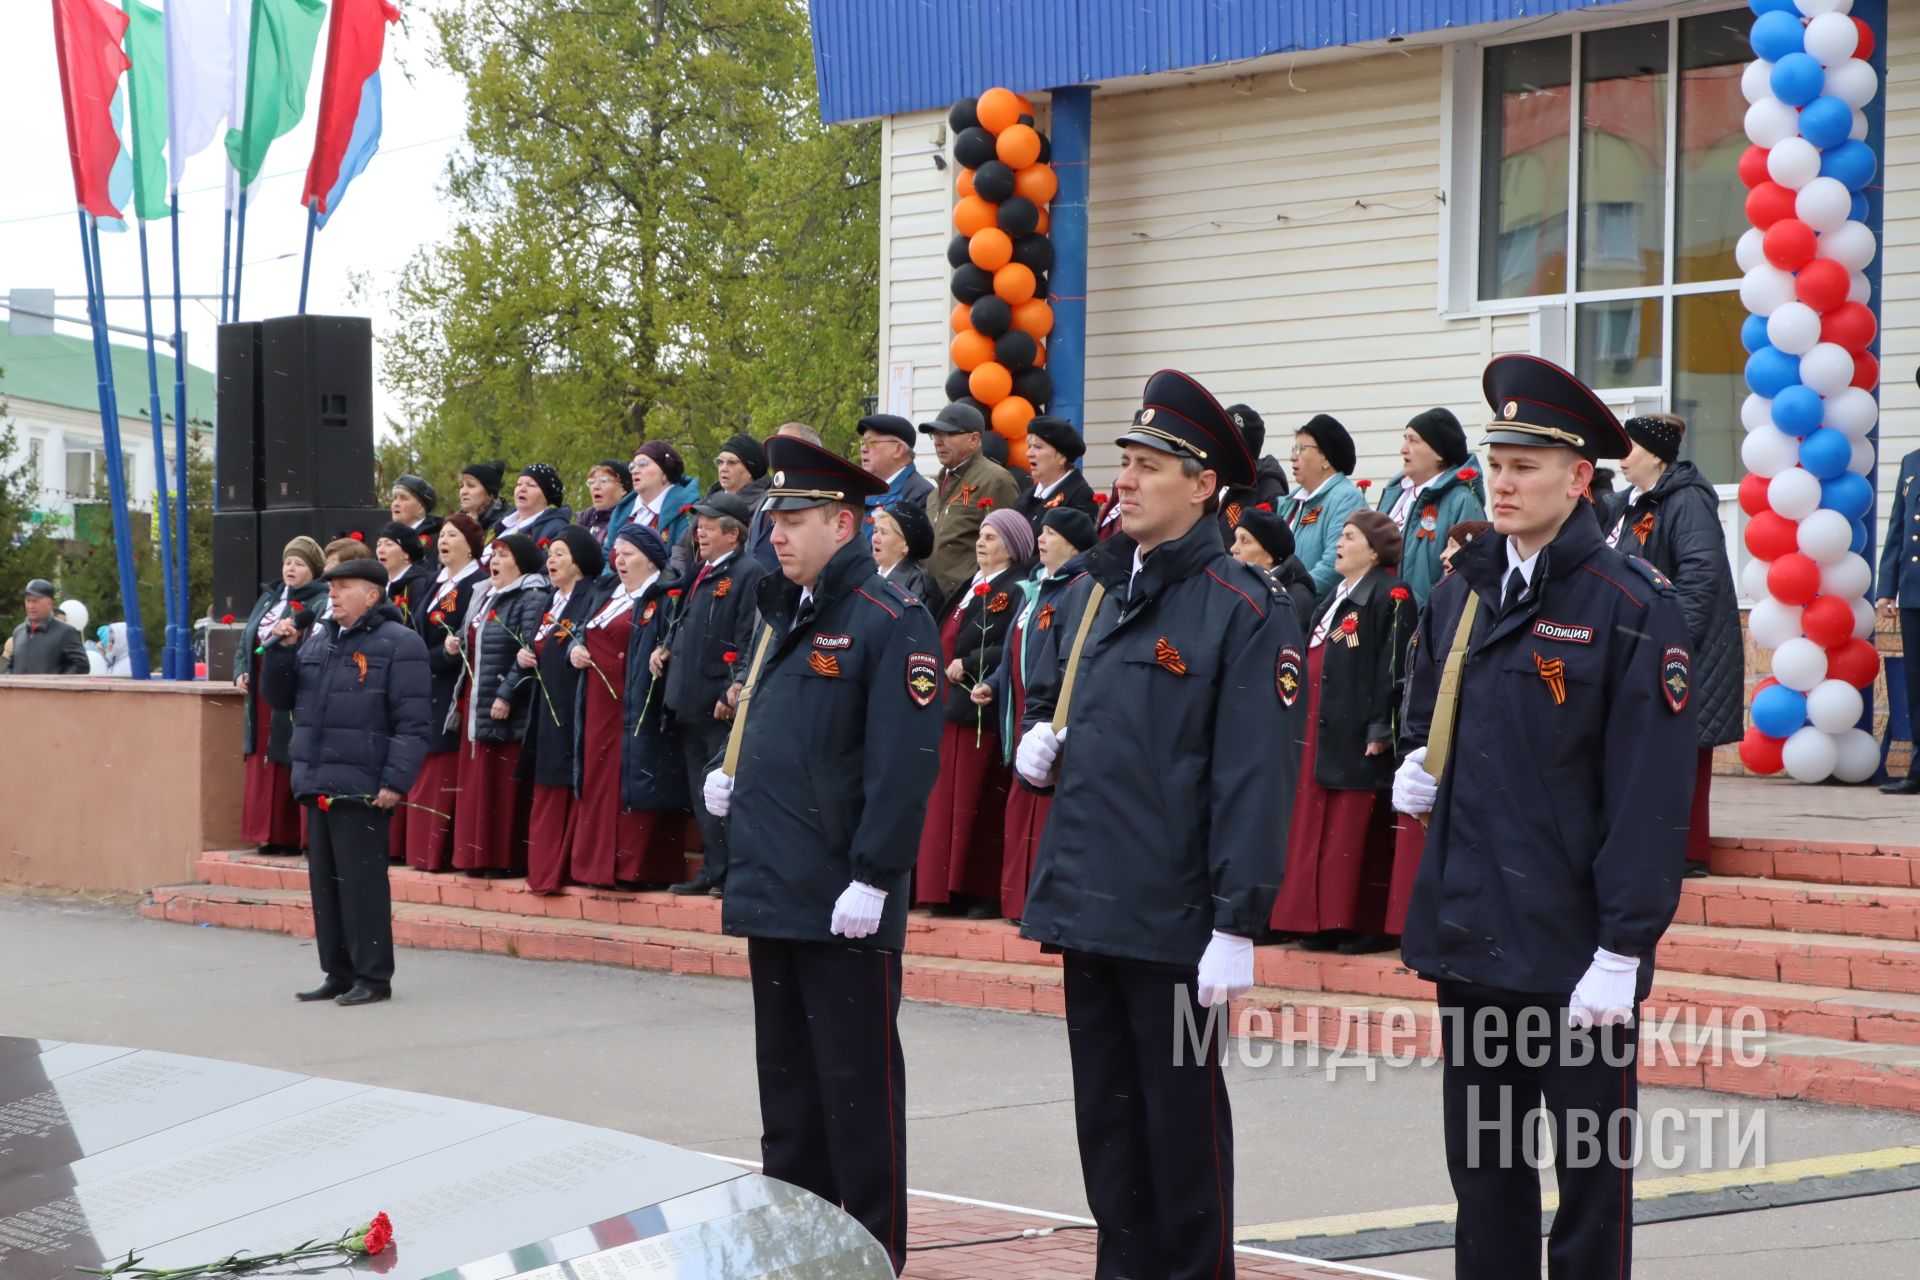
(838, 742)
(1557, 836)
(1163, 850)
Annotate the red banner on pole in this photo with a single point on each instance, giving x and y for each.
(86, 37)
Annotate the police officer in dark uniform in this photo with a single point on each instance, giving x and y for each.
(1557, 837)
(1173, 772)
(836, 743)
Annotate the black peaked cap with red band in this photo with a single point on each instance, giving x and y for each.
(1536, 402)
(1179, 416)
(805, 475)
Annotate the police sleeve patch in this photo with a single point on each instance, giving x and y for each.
(1676, 680)
(1287, 676)
(923, 678)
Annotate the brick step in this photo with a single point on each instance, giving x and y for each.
(1865, 911)
(1832, 862)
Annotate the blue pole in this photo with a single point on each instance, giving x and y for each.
(1067, 344)
(183, 602)
(226, 265)
(306, 262)
(110, 428)
(239, 254)
(163, 534)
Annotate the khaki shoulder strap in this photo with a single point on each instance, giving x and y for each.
(1447, 704)
(735, 735)
(1098, 594)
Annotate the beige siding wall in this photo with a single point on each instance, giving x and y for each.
(914, 230)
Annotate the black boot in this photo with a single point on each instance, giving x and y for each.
(1908, 786)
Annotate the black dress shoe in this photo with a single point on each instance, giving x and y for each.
(718, 891)
(1697, 870)
(1904, 787)
(984, 911)
(688, 888)
(325, 991)
(1366, 944)
(1326, 940)
(363, 994)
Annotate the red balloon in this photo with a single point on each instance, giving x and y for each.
(1761, 754)
(1790, 244)
(1828, 621)
(1852, 325)
(1768, 203)
(1753, 166)
(1753, 494)
(1864, 48)
(1767, 683)
(1866, 370)
(1771, 535)
(1823, 285)
(1795, 579)
(1855, 661)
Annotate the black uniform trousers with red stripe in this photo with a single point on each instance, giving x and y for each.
(1505, 1056)
(833, 1082)
(1156, 1132)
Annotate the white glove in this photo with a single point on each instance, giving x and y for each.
(718, 793)
(1414, 788)
(1605, 995)
(857, 913)
(1039, 749)
(1226, 969)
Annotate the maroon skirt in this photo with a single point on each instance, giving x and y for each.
(268, 814)
(428, 836)
(1026, 822)
(549, 836)
(960, 842)
(647, 847)
(490, 824)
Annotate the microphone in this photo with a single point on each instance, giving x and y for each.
(302, 619)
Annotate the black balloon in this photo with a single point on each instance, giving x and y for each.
(956, 384)
(992, 316)
(994, 181)
(971, 283)
(1046, 150)
(1019, 216)
(964, 115)
(986, 410)
(957, 255)
(1015, 349)
(1040, 284)
(1035, 253)
(973, 147)
(1035, 386)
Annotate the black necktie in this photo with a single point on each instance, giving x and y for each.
(1516, 588)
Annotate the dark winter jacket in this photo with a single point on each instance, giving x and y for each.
(450, 603)
(279, 734)
(549, 754)
(912, 577)
(1677, 526)
(512, 616)
(1899, 579)
(359, 699)
(715, 619)
(1074, 491)
(1296, 584)
(489, 520)
(984, 620)
(541, 528)
(408, 592)
(1038, 649)
(1361, 681)
(1269, 486)
(653, 770)
(52, 649)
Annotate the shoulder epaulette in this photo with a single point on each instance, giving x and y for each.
(1661, 582)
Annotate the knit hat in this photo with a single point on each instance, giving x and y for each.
(646, 539)
(1381, 533)
(1073, 524)
(587, 555)
(748, 450)
(1443, 434)
(1270, 531)
(418, 488)
(1659, 435)
(470, 530)
(1325, 430)
(1014, 531)
(548, 479)
(307, 549)
(529, 558)
(405, 537)
(618, 470)
(491, 475)
(1253, 428)
(915, 527)
(667, 458)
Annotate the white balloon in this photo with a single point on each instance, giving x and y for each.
(1794, 327)
(1810, 754)
(1849, 577)
(1793, 163)
(1831, 38)
(1771, 122)
(1756, 82)
(1769, 451)
(1772, 624)
(1750, 251)
(1756, 412)
(1834, 705)
(1799, 664)
(1863, 619)
(1856, 755)
(1851, 245)
(1852, 411)
(1826, 536)
(1814, 8)
(1765, 289)
(1862, 461)
(1828, 369)
(1823, 204)
(1853, 82)
(1859, 131)
(1753, 585)
(1860, 289)
(1794, 493)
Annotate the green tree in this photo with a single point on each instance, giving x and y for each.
(657, 238)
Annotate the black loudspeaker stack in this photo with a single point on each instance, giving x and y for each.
(293, 446)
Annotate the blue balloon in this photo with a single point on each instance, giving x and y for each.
(1859, 544)
(1771, 371)
(1850, 494)
(1797, 410)
(1777, 34)
(1858, 211)
(1772, 6)
(1826, 122)
(1798, 79)
(1853, 163)
(1778, 710)
(1753, 333)
(1826, 453)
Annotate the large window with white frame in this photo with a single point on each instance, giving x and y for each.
(1607, 187)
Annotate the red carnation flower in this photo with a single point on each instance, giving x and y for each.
(687, 508)
(425, 538)
(1265, 506)
(226, 619)
(1100, 499)
(546, 619)
(985, 503)
(326, 803)
(493, 616)
(674, 594)
(546, 542)
(1364, 484)
(1468, 473)
(1400, 593)
(436, 617)
(296, 606)
(980, 590)
(730, 656)
(357, 536)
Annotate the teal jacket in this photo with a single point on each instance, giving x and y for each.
(1449, 499)
(1316, 523)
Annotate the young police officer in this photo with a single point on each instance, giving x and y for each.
(1175, 765)
(1558, 833)
(838, 742)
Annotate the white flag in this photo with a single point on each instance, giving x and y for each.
(239, 37)
(199, 76)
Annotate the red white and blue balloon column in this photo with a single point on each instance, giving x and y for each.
(1812, 374)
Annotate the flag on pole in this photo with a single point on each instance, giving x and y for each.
(281, 42)
(348, 130)
(147, 89)
(199, 76)
(86, 37)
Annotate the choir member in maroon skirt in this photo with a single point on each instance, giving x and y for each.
(960, 842)
(268, 815)
(1033, 646)
(549, 755)
(499, 697)
(425, 826)
(1340, 841)
(613, 846)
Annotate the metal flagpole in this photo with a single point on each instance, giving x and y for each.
(163, 534)
(306, 262)
(239, 253)
(183, 602)
(226, 265)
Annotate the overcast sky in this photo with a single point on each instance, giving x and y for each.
(388, 213)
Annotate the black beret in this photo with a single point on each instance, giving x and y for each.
(363, 569)
(405, 537)
(1325, 430)
(1073, 524)
(1443, 434)
(528, 557)
(889, 424)
(748, 450)
(1270, 531)
(491, 475)
(548, 479)
(915, 527)
(1253, 428)
(619, 470)
(1059, 435)
(418, 488)
(1657, 436)
(588, 555)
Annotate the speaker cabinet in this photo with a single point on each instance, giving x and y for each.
(317, 412)
(237, 576)
(236, 438)
(322, 524)
(224, 647)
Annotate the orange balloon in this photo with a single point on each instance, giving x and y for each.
(990, 383)
(1018, 146)
(1014, 282)
(1026, 104)
(963, 185)
(1033, 316)
(1012, 414)
(1037, 182)
(1040, 227)
(1040, 355)
(971, 349)
(997, 109)
(973, 214)
(962, 317)
(1017, 453)
(990, 248)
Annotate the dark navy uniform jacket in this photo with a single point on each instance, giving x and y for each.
(1174, 788)
(1900, 557)
(841, 746)
(1561, 823)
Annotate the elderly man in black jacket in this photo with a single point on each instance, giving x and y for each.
(360, 693)
(43, 645)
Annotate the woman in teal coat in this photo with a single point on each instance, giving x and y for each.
(1438, 486)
